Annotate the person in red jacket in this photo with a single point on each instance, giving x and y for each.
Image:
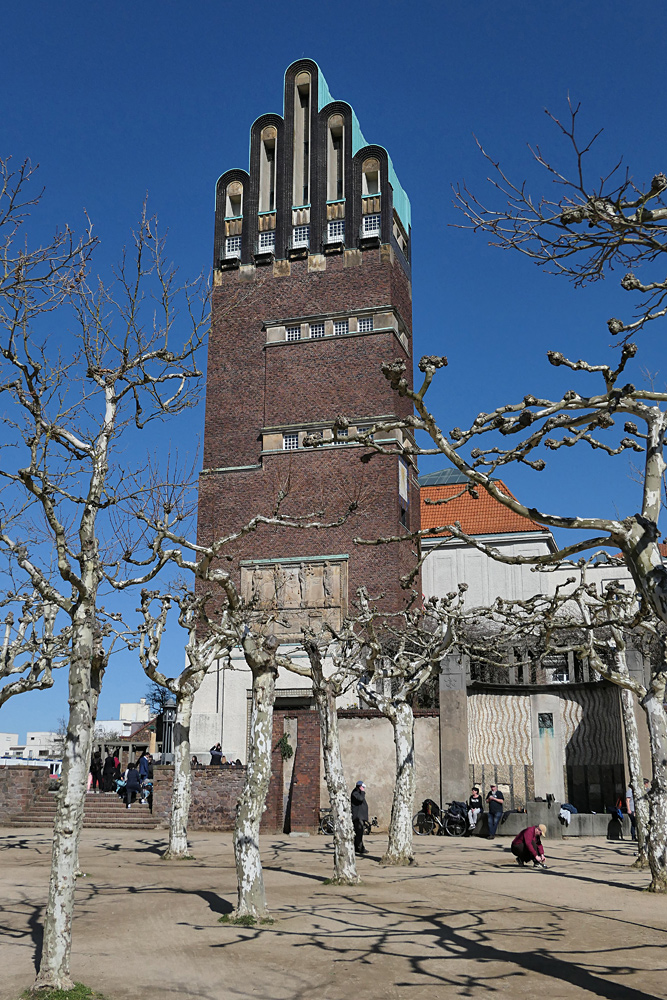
(527, 845)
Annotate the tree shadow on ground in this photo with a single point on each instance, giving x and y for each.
(456, 951)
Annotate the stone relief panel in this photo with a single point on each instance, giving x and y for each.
(307, 594)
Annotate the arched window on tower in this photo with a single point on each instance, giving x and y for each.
(370, 197)
(267, 169)
(335, 159)
(234, 200)
(301, 151)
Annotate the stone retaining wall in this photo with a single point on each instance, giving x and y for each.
(20, 787)
(215, 792)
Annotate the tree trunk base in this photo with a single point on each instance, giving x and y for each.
(46, 982)
(640, 863)
(397, 860)
(658, 883)
(246, 918)
(177, 856)
(343, 880)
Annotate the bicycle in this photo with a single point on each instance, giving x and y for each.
(326, 822)
(432, 820)
(327, 826)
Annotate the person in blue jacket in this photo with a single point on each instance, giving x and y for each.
(132, 784)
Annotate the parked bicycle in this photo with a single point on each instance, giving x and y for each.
(326, 825)
(431, 819)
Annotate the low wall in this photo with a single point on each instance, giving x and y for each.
(215, 792)
(581, 824)
(20, 787)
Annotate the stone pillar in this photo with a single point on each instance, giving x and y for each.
(548, 751)
(638, 672)
(454, 757)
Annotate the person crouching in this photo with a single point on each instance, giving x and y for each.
(527, 846)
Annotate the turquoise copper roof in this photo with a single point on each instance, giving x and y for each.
(401, 200)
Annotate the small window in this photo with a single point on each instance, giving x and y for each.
(301, 236)
(293, 333)
(336, 231)
(233, 246)
(365, 324)
(267, 241)
(403, 516)
(341, 327)
(365, 430)
(317, 329)
(372, 225)
(290, 441)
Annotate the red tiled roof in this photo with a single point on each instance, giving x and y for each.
(662, 547)
(484, 516)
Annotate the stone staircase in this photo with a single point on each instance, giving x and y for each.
(103, 810)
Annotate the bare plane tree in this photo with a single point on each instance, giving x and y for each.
(31, 648)
(68, 407)
(341, 649)
(400, 653)
(200, 653)
(248, 628)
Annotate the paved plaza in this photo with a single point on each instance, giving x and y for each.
(464, 922)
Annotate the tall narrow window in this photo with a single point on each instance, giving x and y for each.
(336, 231)
(301, 151)
(370, 177)
(335, 165)
(234, 200)
(267, 169)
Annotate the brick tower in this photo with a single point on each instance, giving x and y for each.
(311, 293)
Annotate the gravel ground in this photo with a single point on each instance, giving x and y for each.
(465, 921)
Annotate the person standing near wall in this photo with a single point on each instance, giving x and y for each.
(495, 800)
(359, 816)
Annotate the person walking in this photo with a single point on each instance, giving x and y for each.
(630, 806)
(96, 771)
(108, 772)
(216, 754)
(475, 807)
(359, 816)
(495, 800)
(527, 846)
(132, 784)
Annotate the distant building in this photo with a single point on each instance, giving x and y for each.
(555, 729)
(131, 717)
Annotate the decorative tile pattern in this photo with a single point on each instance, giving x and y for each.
(499, 728)
(591, 726)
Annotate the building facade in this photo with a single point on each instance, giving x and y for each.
(312, 292)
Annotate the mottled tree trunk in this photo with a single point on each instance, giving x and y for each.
(54, 969)
(181, 796)
(399, 848)
(657, 839)
(636, 777)
(345, 869)
(251, 895)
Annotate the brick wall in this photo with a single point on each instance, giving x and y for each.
(215, 792)
(20, 787)
(304, 792)
(251, 385)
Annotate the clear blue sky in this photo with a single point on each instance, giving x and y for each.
(125, 98)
